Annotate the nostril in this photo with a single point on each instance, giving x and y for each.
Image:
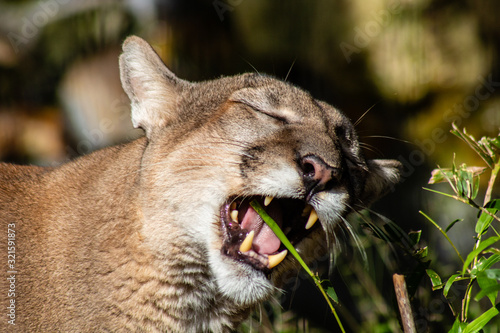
(313, 167)
(308, 169)
(317, 174)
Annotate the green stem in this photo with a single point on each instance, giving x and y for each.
(318, 284)
(277, 231)
(467, 201)
(445, 235)
(466, 301)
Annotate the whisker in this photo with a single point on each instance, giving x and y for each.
(334, 244)
(371, 148)
(290, 70)
(360, 119)
(253, 67)
(396, 229)
(371, 225)
(389, 138)
(357, 241)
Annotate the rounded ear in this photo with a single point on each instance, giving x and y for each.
(152, 88)
(382, 176)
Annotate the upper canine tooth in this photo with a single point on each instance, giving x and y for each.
(247, 243)
(268, 200)
(312, 219)
(232, 206)
(275, 259)
(234, 215)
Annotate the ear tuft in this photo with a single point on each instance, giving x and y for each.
(152, 88)
(382, 176)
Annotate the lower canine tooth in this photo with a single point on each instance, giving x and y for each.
(312, 219)
(247, 243)
(275, 259)
(268, 200)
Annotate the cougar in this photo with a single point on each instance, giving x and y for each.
(157, 235)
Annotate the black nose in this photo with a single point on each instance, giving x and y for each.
(318, 176)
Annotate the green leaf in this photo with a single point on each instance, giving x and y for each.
(327, 285)
(490, 290)
(421, 253)
(483, 245)
(414, 236)
(488, 282)
(457, 327)
(482, 320)
(485, 219)
(490, 146)
(332, 294)
(493, 204)
(435, 279)
(460, 189)
(495, 143)
(484, 222)
(475, 189)
(484, 264)
(466, 179)
(452, 224)
(493, 274)
(449, 283)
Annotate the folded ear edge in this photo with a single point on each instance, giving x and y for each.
(151, 87)
(383, 175)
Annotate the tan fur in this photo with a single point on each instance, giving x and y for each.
(129, 238)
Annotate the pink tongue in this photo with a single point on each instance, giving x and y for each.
(265, 241)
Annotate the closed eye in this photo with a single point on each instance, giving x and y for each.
(281, 118)
(265, 101)
(278, 117)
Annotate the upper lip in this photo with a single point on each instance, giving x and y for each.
(266, 250)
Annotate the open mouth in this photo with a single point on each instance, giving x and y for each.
(248, 239)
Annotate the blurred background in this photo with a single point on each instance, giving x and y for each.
(415, 65)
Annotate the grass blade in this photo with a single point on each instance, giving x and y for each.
(277, 231)
(444, 234)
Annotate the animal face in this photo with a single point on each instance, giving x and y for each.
(214, 146)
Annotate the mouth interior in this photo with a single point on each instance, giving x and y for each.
(290, 214)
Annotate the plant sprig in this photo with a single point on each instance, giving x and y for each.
(329, 294)
(477, 267)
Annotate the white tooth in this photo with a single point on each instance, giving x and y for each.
(268, 200)
(312, 219)
(275, 259)
(247, 243)
(234, 215)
